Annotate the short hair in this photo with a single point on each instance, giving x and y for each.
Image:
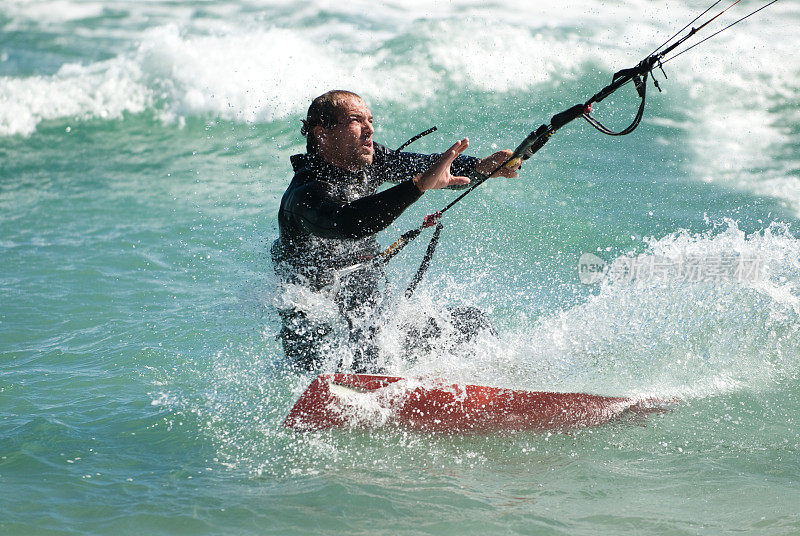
(324, 110)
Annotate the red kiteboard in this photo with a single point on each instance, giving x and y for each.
(370, 401)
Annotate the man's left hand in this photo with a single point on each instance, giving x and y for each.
(490, 163)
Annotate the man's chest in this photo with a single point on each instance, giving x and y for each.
(354, 186)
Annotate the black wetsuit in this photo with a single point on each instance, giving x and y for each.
(327, 220)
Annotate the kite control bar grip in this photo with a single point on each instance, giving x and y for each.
(529, 145)
(559, 120)
(539, 137)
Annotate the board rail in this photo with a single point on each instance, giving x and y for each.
(340, 400)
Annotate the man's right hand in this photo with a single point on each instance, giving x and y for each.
(438, 175)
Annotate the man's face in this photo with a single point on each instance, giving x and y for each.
(348, 144)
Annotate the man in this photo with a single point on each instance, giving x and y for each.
(332, 209)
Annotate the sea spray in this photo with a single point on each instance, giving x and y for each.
(144, 151)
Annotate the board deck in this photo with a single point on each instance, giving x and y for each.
(371, 401)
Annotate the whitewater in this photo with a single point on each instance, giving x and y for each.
(144, 147)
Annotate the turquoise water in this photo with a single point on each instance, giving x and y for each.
(143, 151)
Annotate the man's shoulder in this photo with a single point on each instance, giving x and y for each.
(306, 181)
(307, 169)
(302, 162)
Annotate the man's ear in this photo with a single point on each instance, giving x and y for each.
(319, 133)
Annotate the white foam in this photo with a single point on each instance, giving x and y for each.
(738, 92)
(52, 11)
(743, 89)
(103, 90)
(404, 53)
(318, 307)
(650, 337)
(681, 338)
(251, 72)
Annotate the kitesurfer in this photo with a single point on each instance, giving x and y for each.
(331, 211)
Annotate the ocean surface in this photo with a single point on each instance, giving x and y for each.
(144, 147)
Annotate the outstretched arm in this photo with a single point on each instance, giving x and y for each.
(319, 213)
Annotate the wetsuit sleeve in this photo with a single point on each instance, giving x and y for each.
(318, 213)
